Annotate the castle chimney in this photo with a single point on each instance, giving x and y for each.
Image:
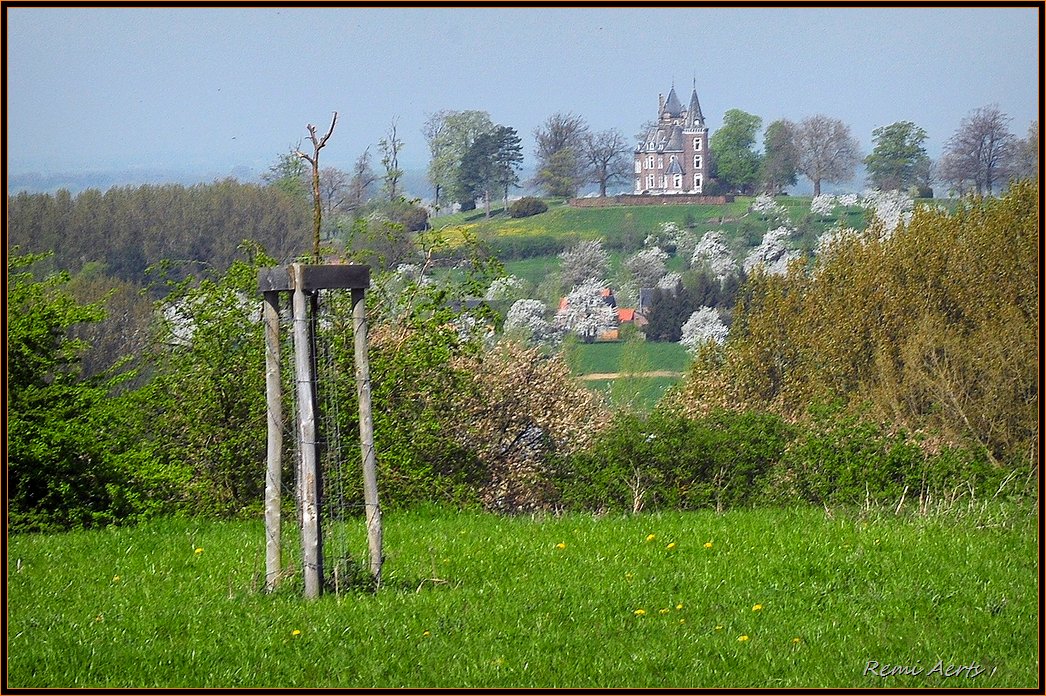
(660, 103)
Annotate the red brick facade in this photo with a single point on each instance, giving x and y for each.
(674, 157)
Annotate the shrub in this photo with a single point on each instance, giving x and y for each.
(526, 206)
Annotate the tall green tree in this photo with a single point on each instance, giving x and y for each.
(390, 147)
(780, 158)
(737, 163)
(507, 159)
(898, 159)
(449, 135)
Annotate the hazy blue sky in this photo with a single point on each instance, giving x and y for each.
(213, 89)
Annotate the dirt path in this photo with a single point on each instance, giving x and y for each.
(619, 375)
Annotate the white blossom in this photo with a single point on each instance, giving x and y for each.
(528, 317)
(893, 208)
(505, 288)
(847, 200)
(586, 312)
(670, 281)
(825, 241)
(584, 260)
(647, 266)
(764, 203)
(772, 253)
(703, 325)
(823, 204)
(713, 251)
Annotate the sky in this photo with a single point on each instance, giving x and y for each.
(224, 91)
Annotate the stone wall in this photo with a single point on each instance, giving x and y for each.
(632, 199)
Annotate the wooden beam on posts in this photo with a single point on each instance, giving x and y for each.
(370, 474)
(274, 445)
(312, 556)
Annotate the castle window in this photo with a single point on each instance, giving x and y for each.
(650, 162)
(697, 144)
(697, 161)
(639, 166)
(650, 181)
(697, 183)
(660, 162)
(639, 184)
(664, 181)
(677, 181)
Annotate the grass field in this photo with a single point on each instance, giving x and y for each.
(752, 598)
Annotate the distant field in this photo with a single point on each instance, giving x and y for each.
(767, 598)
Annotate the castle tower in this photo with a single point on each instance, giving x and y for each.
(673, 157)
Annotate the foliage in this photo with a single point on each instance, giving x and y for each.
(935, 326)
(737, 164)
(526, 206)
(780, 159)
(668, 461)
(898, 159)
(559, 148)
(175, 230)
(67, 462)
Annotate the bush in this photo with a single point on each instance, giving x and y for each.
(526, 206)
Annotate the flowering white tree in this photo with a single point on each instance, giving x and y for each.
(703, 325)
(893, 208)
(765, 203)
(505, 288)
(670, 281)
(585, 311)
(647, 266)
(527, 317)
(773, 253)
(582, 261)
(666, 237)
(713, 252)
(823, 204)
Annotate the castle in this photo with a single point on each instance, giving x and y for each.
(674, 155)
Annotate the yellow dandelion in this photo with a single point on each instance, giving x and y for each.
(651, 537)
(682, 621)
(640, 612)
(629, 576)
(426, 633)
(664, 611)
(708, 544)
(797, 640)
(198, 551)
(295, 633)
(719, 628)
(671, 546)
(679, 606)
(116, 578)
(757, 607)
(742, 639)
(561, 545)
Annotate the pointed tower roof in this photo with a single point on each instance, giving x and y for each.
(694, 117)
(673, 105)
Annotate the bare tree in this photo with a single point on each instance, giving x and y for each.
(981, 151)
(334, 184)
(363, 177)
(559, 147)
(314, 160)
(390, 147)
(607, 154)
(826, 150)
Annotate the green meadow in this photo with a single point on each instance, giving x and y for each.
(782, 598)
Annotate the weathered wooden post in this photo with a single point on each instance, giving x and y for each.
(370, 475)
(274, 448)
(302, 281)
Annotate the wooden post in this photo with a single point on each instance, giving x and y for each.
(312, 557)
(274, 459)
(370, 474)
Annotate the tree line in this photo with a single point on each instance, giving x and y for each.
(981, 156)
